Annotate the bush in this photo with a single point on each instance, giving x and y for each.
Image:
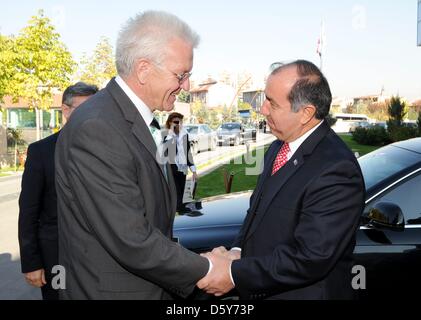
(399, 133)
(375, 136)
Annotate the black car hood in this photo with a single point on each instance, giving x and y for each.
(224, 210)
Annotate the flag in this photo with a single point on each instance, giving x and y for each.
(321, 42)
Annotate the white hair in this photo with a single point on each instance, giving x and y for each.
(147, 36)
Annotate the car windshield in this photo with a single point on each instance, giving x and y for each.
(192, 129)
(230, 126)
(385, 162)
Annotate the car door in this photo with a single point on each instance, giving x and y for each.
(202, 139)
(392, 259)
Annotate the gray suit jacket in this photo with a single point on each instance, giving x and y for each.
(116, 209)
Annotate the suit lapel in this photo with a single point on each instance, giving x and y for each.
(141, 131)
(139, 128)
(273, 184)
(265, 174)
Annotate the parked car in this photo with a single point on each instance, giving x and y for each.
(382, 124)
(388, 239)
(250, 133)
(202, 137)
(359, 124)
(234, 133)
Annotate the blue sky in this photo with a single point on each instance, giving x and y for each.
(369, 43)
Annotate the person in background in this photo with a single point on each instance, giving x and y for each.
(38, 237)
(180, 156)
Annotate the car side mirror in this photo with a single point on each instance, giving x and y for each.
(386, 215)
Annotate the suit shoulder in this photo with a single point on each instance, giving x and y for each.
(47, 142)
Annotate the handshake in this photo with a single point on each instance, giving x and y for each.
(219, 280)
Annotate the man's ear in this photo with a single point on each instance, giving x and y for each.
(64, 110)
(308, 112)
(143, 68)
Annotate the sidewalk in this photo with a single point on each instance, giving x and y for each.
(212, 164)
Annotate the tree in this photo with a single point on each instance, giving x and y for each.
(200, 112)
(100, 67)
(396, 109)
(350, 108)
(44, 63)
(15, 136)
(378, 110)
(41, 64)
(8, 59)
(244, 106)
(184, 97)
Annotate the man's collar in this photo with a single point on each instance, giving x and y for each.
(143, 109)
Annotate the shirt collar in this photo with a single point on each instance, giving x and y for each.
(294, 145)
(143, 109)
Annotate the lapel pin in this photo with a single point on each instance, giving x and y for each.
(295, 162)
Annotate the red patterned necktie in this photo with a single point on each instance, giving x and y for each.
(281, 158)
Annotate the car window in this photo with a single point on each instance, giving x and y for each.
(192, 129)
(407, 196)
(206, 129)
(385, 162)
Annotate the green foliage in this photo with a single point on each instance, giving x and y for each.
(8, 59)
(244, 106)
(214, 120)
(184, 97)
(100, 67)
(200, 112)
(40, 62)
(396, 109)
(375, 136)
(402, 133)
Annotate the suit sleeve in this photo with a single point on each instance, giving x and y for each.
(328, 221)
(30, 205)
(102, 174)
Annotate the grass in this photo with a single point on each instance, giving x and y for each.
(212, 184)
(4, 172)
(244, 176)
(355, 147)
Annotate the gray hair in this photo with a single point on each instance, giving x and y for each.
(311, 87)
(147, 35)
(79, 89)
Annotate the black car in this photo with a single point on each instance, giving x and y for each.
(388, 245)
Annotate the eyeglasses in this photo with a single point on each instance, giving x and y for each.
(180, 77)
(176, 122)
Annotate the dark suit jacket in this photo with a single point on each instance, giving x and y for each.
(37, 203)
(116, 209)
(299, 234)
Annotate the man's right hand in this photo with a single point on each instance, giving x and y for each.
(36, 278)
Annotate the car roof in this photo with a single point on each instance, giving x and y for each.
(411, 145)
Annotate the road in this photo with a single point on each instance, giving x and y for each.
(12, 283)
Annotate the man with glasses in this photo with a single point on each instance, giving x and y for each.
(116, 198)
(38, 203)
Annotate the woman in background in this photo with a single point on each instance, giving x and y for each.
(179, 155)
